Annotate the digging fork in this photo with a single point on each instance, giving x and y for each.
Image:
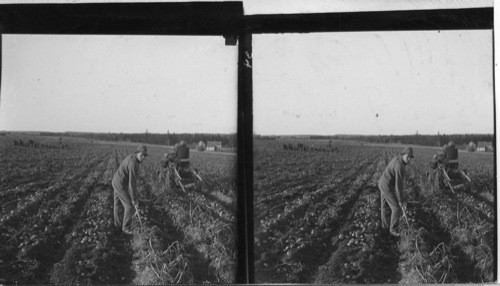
(138, 215)
(406, 218)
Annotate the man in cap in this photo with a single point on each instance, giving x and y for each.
(451, 157)
(171, 156)
(125, 188)
(391, 189)
(183, 150)
(433, 166)
(451, 152)
(180, 151)
(445, 147)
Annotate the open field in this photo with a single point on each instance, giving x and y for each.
(317, 217)
(56, 217)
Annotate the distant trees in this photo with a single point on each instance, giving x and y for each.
(228, 140)
(417, 139)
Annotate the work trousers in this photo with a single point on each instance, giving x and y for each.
(122, 202)
(389, 199)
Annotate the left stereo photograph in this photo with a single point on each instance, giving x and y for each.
(118, 159)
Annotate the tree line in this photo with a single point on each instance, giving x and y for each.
(416, 139)
(228, 140)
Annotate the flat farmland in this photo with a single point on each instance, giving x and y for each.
(56, 217)
(317, 217)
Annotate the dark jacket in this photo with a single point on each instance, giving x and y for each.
(125, 178)
(393, 177)
(451, 154)
(182, 152)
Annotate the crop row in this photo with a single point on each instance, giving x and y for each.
(205, 220)
(296, 208)
(293, 243)
(32, 248)
(90, 244)
(468, 230)
(360, 253)
(161, 255)
(87, 241)
(209, 234)
(453, 237)
(276, 194)
(25, 166)
(23, 204)
(423, 247)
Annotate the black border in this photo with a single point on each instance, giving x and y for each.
(170, 18)
(227, 19)
(407, 20)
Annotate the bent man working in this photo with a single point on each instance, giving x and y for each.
(125, 188)
(391, 189)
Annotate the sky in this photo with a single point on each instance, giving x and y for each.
(319, 83)
(124, 84)
(373, 83)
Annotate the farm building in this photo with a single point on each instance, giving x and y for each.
(214, 145)
(484, 146)
(471, 147)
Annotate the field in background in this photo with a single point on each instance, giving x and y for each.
(56, 217)
(317, 216)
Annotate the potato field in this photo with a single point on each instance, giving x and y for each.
(317, 217)
(56, 217)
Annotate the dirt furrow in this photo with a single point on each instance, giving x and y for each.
(41, 236)
(362, 254)
(95, 253)
(300, 242)
(440, 259)
(480, 209)
(160, 238)
(27, 205)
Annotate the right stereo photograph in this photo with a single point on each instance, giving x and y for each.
(374, 157)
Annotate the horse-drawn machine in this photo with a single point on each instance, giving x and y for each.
(452, 176)
(179, 173)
